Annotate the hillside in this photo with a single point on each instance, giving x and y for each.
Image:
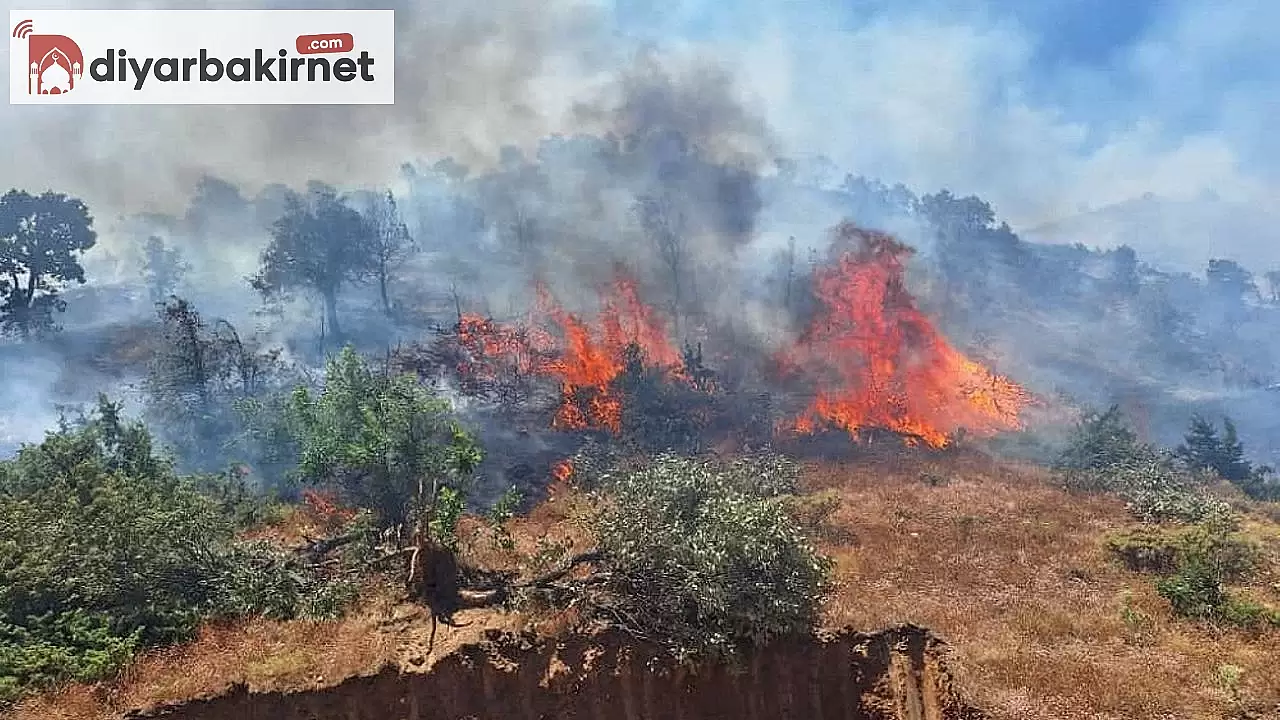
(1009, 569)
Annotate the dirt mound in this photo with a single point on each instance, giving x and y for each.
(895, 674)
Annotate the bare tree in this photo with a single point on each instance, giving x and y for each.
(665, 224)
(392, 243)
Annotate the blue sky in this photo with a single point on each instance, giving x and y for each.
(1046, 105)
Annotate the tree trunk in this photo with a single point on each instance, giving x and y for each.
(331, 314)
(382, 289)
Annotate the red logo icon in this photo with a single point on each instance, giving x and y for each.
(56, 62)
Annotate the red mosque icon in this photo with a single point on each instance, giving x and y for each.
(56, 62)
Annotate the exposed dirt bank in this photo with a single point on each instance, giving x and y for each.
(896, 674)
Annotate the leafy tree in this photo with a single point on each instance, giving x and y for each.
(1204, 449)
(163, 269)
(318, 245)
(393, 446)
(41, 237)
(1104, 454)
(106, 551)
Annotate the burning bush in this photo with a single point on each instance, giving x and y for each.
(875, 361)
(867, 360)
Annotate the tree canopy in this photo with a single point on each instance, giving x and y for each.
(318, 245)
(41, 238)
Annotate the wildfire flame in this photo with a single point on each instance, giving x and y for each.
(584, 356)
(870, 356)
(882, 364)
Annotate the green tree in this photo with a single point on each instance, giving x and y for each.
(392, 446)
(1204, 449)
(41, 238)
(318, 245)
(1100, 441)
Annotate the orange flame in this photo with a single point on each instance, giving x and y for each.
(882, 364)
(562, 470)
(587, 357)
(593, 357)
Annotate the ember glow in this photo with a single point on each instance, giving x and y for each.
(878, 362)
(562, 470)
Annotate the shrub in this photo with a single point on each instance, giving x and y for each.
(379, 437)
(105, 550)
(1104, 455)
(704, 557)
(1229, 555)
(1197, 563)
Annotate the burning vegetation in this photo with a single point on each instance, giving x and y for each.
(867, 360)
(877, 362)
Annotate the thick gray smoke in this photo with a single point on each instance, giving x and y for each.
(531, 142)
(470, 78)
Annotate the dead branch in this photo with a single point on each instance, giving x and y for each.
(546, 579)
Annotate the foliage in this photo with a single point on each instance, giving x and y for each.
(1104, 455)
(1228, 554)
(106, 550)
(1198, 593)
(704, 558)
(390, 443)
(1204, 449)
(162, 268)
(244, 505)
(1101, 441)
(318, 245)
(40, 239)
(1196, 565)
(203, 384)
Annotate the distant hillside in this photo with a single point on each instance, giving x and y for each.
(1175, 235)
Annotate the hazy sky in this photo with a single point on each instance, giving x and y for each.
(1043, 107)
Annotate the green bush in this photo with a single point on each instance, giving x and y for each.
(380, 437)
(1197, 563)
(1229, 555)
(105, 550)
(705, 557)
(1104, 455)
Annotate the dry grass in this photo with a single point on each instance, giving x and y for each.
(1012, 571)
